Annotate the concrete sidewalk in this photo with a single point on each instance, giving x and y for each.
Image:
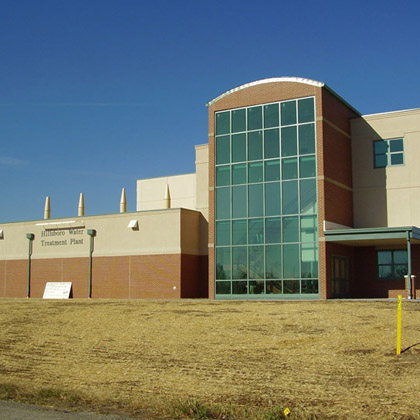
(10, 410)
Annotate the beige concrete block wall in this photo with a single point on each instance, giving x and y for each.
(159, 232)
(386, 196)
(151, 192)
(202, 179)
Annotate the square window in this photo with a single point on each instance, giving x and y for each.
(392, 264)
(388, 153)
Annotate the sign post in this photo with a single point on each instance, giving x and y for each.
(399, 316)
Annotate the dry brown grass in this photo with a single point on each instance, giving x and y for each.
(332, 359)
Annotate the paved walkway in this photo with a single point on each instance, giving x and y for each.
(10, 410)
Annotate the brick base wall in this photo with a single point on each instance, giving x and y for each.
(141, 276)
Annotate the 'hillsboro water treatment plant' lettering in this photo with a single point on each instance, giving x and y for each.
(70, 241)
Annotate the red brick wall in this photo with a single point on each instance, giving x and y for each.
(334, 160)
(110, 277)
(15, 278)
(142, 276)
(155, 276)
(194, 268)
(366, 280)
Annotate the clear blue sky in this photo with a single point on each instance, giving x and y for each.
(95, 94)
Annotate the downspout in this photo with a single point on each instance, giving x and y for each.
(30, 237)
(409, 291)
(92, 234)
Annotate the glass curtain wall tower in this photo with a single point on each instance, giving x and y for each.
(266, 220)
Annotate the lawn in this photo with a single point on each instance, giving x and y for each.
(231, 360)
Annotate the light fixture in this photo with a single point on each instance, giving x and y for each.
(134, 224)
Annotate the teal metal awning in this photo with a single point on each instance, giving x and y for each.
(373, 236)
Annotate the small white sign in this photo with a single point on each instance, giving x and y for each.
(57, 290)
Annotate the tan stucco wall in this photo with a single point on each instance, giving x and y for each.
(159, 232)
(386, 196)
(202, 179)
(189, 191)
(151, 192)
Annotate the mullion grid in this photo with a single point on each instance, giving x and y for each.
(263, 183)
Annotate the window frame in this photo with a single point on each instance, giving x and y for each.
(388, 152)
(393, 265)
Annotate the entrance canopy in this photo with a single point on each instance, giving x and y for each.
(374, 236)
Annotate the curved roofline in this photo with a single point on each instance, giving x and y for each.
(269, 80)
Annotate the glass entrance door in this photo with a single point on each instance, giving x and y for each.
(341, 277)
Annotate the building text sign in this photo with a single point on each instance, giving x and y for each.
(62, 237)
(57, 290)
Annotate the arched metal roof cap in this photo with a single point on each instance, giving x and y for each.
(270, 80)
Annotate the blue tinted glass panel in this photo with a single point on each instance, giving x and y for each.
(309, 261)
(308, 229)
(289, 168)
(255, 118)
(238, 120)
(255, 200)
(256, 231)
(239, 232)
(223, 287)
(380, 147)
(309, 286)
(239, 287)
(291, 229)
(271, 115)
(396, 145)
(255, 172)
(290, 197)
(291, 261)
(308, 196)
(384, 257)
(222, 176)
(291, 287)
(222, 123)
(307, 139)
(271, 143)
(223, 233)
(306, 110)
(273, 230)
(256, 262)
(288, 113)
(255, 145)
(307, 167)
(288, 141)
(381, 161)
(273, 266)
(239, 201)
(256, 287)
(397, 159)
(223, 264)
(239, 174)
(239, 263)
(274, 287)
(223, 203)
(239, 147)
(222, 150)
(272, 199)
(272, 170)
(400, 257)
